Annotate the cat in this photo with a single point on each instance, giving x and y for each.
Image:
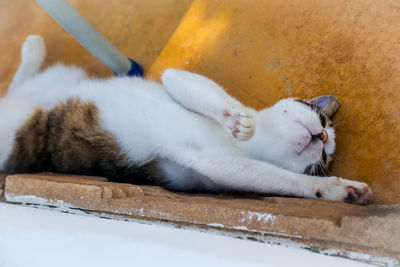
(184, 134)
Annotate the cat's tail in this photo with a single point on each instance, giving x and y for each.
(33, 53)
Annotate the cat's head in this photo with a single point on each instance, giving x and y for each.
(298, 135)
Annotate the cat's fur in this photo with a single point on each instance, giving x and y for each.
(186, 134)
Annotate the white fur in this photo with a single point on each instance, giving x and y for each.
(201, 137)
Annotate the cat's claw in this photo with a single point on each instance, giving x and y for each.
(343, 190)
(238, 123)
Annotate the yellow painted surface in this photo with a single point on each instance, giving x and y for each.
(262, 51)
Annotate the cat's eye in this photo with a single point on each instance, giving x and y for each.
(322, 120)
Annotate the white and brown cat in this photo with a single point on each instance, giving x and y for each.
(186, 134)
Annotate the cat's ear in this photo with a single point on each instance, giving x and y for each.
(327, 104)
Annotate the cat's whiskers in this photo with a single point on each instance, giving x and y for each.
(312, 166)
(323, 166)
(339, 122)
(313, 171)
(338, 158)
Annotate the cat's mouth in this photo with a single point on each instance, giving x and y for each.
(307, 147)
(314, 139)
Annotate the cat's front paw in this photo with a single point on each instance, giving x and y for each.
(339, 189)
(239, 124)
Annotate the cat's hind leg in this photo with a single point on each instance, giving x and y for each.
(202, 95)
(33, 53)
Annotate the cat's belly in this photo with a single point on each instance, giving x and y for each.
(146, 119)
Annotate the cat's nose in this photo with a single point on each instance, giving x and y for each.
(323, 136)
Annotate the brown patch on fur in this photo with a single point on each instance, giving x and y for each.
(70, 139)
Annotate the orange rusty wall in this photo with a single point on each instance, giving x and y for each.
(262, 51)
(140, 29)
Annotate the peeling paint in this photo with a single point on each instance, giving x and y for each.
(160, 213)
(216, 225)
(388, 262)
(264, 217)
(244, 228)
(38, 200)
(251, 216)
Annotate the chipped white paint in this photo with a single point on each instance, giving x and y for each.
(388, 262)
(244, 228)
(162, 214)
(141, 211)
(216, 225)
(132, 211)
(154, 214)
(31, 199)
(251, 216)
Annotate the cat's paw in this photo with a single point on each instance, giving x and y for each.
(33, 50)
(339, 189)
(239, 124)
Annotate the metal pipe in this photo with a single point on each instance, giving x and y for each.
(90, 38)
